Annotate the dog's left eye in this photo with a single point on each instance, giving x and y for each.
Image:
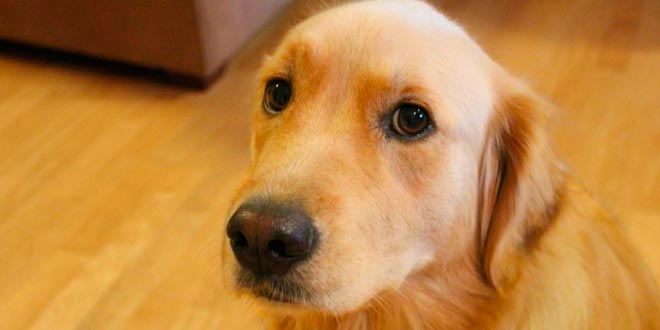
(277, 95)
(410, 120)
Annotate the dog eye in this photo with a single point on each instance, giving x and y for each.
(410, 120)
(277, 95)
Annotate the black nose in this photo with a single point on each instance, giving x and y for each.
(270, 239)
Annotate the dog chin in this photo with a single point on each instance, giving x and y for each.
(266, 295)
(280, 304)
(276, 291)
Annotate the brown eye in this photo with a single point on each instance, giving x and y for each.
(410, 120)
(277, 95)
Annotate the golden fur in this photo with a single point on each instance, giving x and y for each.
(477, 226)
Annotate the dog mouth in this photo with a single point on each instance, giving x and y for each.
(274, 288)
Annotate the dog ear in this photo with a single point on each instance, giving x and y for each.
(519, 182)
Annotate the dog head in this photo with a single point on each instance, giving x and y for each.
(384, 141)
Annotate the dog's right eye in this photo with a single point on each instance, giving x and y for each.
(411, 121)
(277, 95)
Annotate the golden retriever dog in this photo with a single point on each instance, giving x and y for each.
(400, 179)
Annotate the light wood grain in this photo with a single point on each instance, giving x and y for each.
(113, 188)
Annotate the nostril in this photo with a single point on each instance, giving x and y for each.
(238, 240)
(285, 249)
(277, 249)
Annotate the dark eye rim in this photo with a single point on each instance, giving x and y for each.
(391, 132)
(264, 102)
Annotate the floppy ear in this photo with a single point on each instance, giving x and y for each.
(519, 183)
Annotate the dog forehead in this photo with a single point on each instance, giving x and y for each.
(412, 15)
(390, 34)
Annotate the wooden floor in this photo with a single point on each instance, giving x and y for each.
(113, 187)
